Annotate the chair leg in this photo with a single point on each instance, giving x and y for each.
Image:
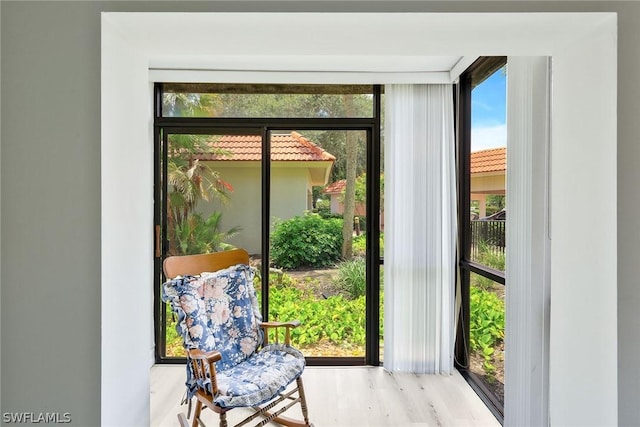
(303, 401)
(182, 420)
(196, 413)
(223, 419)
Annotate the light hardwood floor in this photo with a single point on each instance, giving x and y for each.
(349, 397)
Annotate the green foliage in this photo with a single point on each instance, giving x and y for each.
(323, 205)
(190, 182)
(327, 214)
(361, 189)
(307, 240)
(351, 277)
(360, 245)
(174, 345)
(486, 324)
(494, 203)
(334, 319)
(490, 258)
(180, 104)
(200, 235)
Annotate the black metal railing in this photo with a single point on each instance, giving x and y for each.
(487, 236)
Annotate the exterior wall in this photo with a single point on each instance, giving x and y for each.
(51, 52)
(481, 185)
(338, 207)
(289, 197)
(488, 184)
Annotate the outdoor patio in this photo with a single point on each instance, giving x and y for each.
(349, 396)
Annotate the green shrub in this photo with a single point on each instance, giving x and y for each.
(351, 277)
(486, 324)
(327, 214)
(359, 245)
(306, 240)
(323, 205)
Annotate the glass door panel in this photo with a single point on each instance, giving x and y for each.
(318, 265)
(212, 202)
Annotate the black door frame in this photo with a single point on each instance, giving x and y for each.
(164, 126)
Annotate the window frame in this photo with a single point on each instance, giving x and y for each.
(471, 77)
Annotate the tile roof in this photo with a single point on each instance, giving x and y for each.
(335, 187)
(284, 147)
(483, 161)
(492, 160)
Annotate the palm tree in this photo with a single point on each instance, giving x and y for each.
(190, 182)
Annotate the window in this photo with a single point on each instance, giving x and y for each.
(483, 222)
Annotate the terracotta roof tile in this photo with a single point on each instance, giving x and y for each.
(284, 147)
(492, 160)
(335, 187)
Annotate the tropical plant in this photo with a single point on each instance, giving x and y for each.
(486, 324)
(351, 277)
(200, 235)
(189, 183)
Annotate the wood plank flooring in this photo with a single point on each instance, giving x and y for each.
(349, 397)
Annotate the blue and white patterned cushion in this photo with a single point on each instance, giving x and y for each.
(219, 311)
(259, 378)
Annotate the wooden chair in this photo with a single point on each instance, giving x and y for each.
(230, 362)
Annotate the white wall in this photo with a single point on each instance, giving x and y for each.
(127, 224)
(50, 85)
(572, 398)
(584, 264)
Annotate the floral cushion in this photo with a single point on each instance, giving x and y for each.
(219, 311)
(259, 378)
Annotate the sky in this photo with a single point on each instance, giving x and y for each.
(488, 113)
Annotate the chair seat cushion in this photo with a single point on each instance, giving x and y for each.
(259, 378)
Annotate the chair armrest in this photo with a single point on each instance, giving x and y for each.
(276, 325)
(209, 357)
(292, 324)
(203, 364)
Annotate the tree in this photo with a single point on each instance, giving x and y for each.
(494, 203)
(361, 190)
(351, 156)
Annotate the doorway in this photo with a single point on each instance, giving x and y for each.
(292, 175)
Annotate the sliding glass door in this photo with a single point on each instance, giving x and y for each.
(293, 178)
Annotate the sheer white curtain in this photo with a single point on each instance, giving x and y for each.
(420, 229)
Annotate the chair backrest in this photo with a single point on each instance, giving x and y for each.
(216, 304)
(184, 265)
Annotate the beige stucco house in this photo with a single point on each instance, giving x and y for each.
(297, 165)
(488, 175)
